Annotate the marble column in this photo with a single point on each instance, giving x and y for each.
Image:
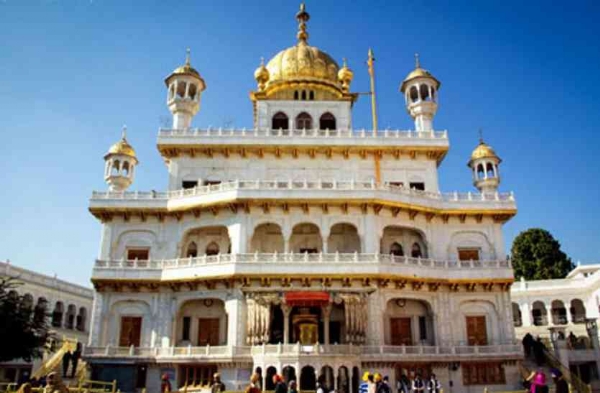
(326, 318)
(287, 310)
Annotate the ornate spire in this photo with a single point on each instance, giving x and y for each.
(481, 136)
(302, 17)
(124, 132)
(187, 57)
(417, 61)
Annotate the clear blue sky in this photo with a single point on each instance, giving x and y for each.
(73, 72)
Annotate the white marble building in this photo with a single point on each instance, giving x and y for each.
(564, 305)
(68, 304)
(302, 246)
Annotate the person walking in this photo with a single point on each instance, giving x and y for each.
(320, 388)
(560, 384)
(292, 387)
(280, 386)
(364, 386)
(403, 385)
(75, 359)
(538, 383)
(217, 386)
(384, 386)
(527, 344)
(433, 385)
(165, 384)
(418, 386)
(65, 363)
(253, 386)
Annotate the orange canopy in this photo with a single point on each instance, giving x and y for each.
(307, 298)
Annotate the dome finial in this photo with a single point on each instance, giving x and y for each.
(187, 56)
(124, 132)
(481, 136)
(302, 17)
(417, 61)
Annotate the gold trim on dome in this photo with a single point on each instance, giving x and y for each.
(418, 72)
(122, 147)
(483, 150)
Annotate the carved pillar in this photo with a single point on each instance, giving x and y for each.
(326, 310)
(286, 322)
(97, 316)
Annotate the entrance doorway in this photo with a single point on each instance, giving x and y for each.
(308, 378)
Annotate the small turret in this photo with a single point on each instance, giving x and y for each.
(484, 163)
(120, 165)
(420, 92)
(185, 86)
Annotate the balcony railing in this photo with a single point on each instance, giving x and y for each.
(297, 258)
(310, 133)
(220, 352)
(318, 186)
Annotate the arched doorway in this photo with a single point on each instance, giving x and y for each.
(559, 313)
(289, 374)
(343, 380)
(577, 311)
(326, 378)
(307, 379)
(409, 322)
(269, 385)
(306, 238)
(355, 379)
(538, 312)
(517, 318)
(343, 238)
(267, 238)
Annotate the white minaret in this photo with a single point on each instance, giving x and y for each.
(120, 165)
(420, 90)
(185, 86)
(484, 164)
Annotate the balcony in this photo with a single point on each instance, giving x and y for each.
(247, 353)
(270, 137)
(303, 190)
(268, 264)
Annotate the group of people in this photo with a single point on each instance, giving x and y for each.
(280, 385)
(534, 348)
(536, 382)
(72, 359)
(375, 383)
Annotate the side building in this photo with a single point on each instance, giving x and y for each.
(302, 246)
(68, 304)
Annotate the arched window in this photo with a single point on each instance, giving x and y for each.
(414, 94)
(311, 95)
(327, 122)
(40, 310)
(303, 95)
(280, 121)
(181, 89)
(396, 249)
(71, 313)
(192, 91)
(125, 168)
(415, 251)
(81, 319)
(192, 250)
(304, 121)
(480, 171)
(296, 95)
(212, 249)
(425, 93)
(57, 314)
(116, 166)
(490, 170)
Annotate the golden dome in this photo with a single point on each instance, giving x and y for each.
(484, 150)
(261, 75)
(418, 72)
(185, 69)
(122, 147)
(303, 63)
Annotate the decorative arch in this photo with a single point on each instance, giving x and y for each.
(343, 238)
(212, 249)
(559, 312)
(306, 238)
(130, 323)
(517, 316)
(396, 249)
(192, 250)
(327, 121)
(134, 239)
(280, 120)
(57, 314)
(413, 94)
(268, 238)
(408, 321)
(304, 120)
(473, 240)
(479, 322)
(539, 314)
(406, 237)
(216, 236)
(81, 319)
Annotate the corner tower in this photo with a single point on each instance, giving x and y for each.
(420, 90)
(484, 164)
(302, 88)
(120, 162)
(185, 86)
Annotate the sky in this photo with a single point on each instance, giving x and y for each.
(73, 72)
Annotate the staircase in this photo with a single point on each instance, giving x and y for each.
(54, 362)
(575, 383)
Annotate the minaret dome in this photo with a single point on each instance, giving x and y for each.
(185, 86)
(484, 164)
(420, 89)
(120, 162)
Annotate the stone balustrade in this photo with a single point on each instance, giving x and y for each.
(247, 352)
(307, 189)
(164, 133)
(290, 263)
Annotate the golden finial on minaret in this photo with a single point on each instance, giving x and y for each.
(124, 132)
(417, 61)
(481, 135)
(302, 17)
(187, 56)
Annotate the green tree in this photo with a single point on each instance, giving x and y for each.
(24, 326)
(536, 255)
